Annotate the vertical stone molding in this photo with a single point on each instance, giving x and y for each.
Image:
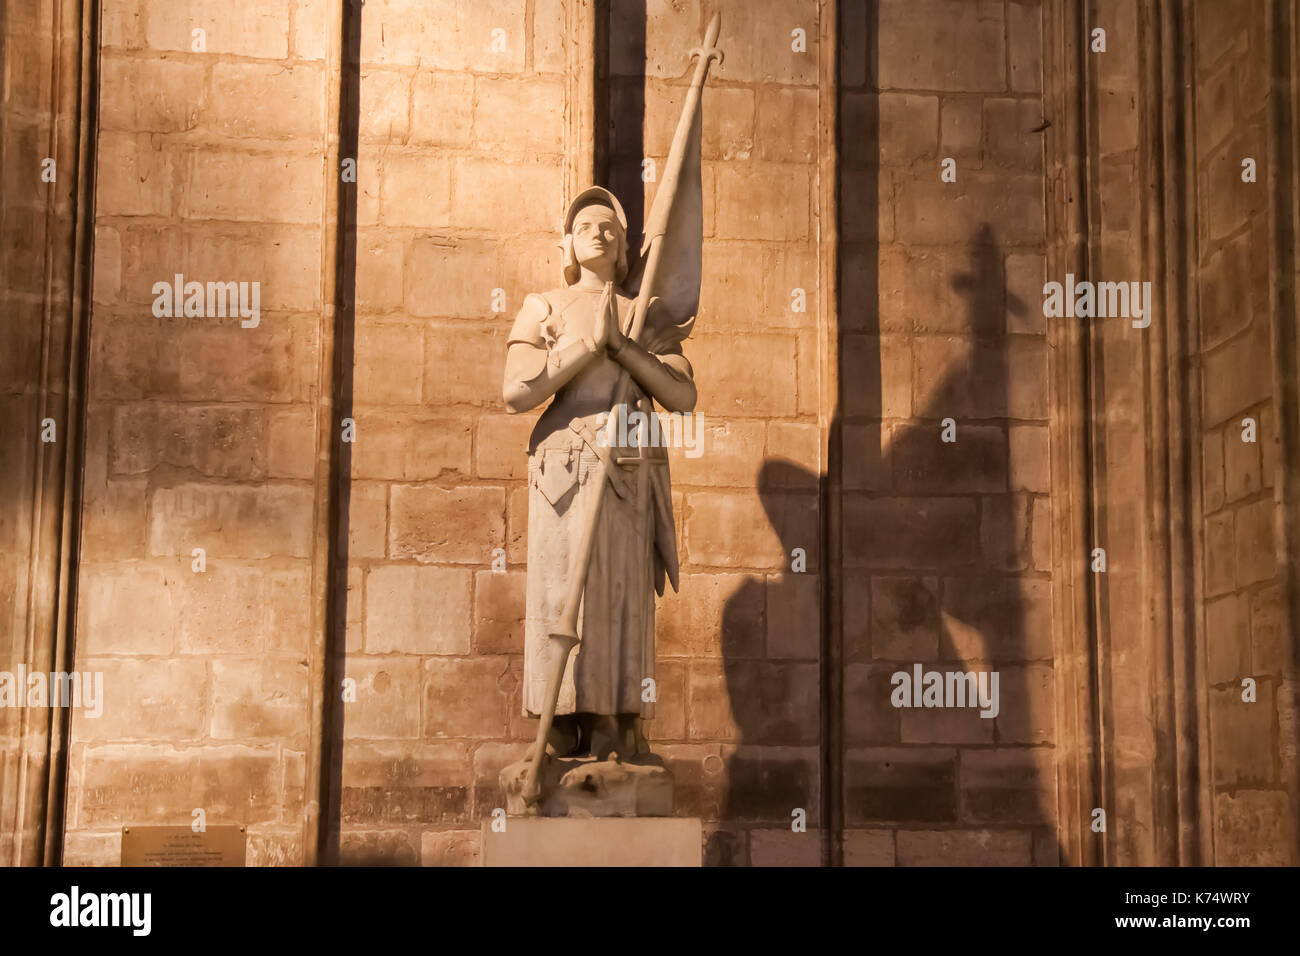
(47, 149)
(1282, 30)
(1170, 442)
(1074, 612)
(1172, 423)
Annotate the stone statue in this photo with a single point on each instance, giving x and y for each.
(601, 538)
(571, 344)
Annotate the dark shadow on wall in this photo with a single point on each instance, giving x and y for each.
(988, 608)
(333, 664)
(775, 769)
(927, 533)
(626, 111)
(765, 778)
(934, 542)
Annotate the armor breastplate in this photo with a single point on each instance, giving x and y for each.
(589, 395)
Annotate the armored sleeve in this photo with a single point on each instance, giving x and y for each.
(528, 323)
(534, 370)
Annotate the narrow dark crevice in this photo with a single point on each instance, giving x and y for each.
(340, 479)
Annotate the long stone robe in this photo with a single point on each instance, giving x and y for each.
(634, 547)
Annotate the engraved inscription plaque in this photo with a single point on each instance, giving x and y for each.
(181, 846)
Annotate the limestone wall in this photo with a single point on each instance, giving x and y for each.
(462, 157)
(201, 432)
(1243, 606)
(947, 544)
(882, 438)
(461, 191)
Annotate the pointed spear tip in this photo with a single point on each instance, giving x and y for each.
(711, 35)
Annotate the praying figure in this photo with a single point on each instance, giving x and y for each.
(601, 543)
(572, 346)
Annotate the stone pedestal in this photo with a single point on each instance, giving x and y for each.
(609, 841)
(587, 787)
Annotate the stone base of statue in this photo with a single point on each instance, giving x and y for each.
(591, 787)
(610, 841)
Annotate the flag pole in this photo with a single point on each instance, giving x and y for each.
(564, 634)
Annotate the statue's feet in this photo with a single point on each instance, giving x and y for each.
(606, 741)
(564, 739)
(630, 731)
(587, 786)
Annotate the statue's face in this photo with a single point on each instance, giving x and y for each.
(596, 233)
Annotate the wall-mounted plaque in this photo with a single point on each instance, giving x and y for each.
(182, 846)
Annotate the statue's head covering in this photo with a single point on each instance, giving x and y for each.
(593, 196)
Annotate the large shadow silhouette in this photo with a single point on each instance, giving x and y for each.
(934, 540)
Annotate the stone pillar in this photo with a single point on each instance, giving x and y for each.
(1172, 415)
(1151, 461)
(1126, 637)
(1073, 610)
(47, 124)
(1284, 243)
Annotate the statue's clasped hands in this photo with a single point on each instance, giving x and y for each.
(606, 332)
